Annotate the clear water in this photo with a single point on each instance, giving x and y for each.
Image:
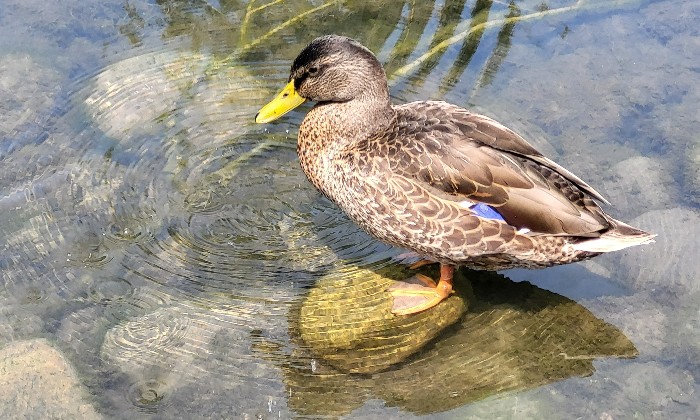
(172, 250)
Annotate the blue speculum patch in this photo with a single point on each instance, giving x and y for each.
(486, 211)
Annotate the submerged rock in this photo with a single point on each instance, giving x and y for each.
(692, 174)
(640, 184)
(664, 265)
(37, 382)
(347, 320)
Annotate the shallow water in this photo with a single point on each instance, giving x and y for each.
(175, 253)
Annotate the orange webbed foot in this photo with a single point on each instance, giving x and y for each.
(420, 292)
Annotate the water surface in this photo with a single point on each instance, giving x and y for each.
(175, 253)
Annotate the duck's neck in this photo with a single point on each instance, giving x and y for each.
(334, 125)
(356, 119)
(330, 127)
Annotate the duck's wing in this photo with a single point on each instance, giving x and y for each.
(465, 157)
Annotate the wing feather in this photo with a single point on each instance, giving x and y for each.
(456, 155)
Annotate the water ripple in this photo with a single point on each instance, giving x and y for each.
(182, 233)
(110, 290)
(148, 396)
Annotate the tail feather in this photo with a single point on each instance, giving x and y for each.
(620, 236)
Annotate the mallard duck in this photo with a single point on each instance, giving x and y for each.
(455, 187)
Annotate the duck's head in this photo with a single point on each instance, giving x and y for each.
(331, 68)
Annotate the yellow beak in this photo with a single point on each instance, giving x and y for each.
(284, 102)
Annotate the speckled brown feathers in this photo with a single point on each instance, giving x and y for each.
(410, 174)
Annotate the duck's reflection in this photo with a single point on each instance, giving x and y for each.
(497, 335)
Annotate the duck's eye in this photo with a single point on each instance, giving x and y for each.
(313, 71)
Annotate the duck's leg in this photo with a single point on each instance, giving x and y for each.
(421, 263)
(413, 296)
(412, 256)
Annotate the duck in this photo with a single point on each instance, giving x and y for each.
(451, 186)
